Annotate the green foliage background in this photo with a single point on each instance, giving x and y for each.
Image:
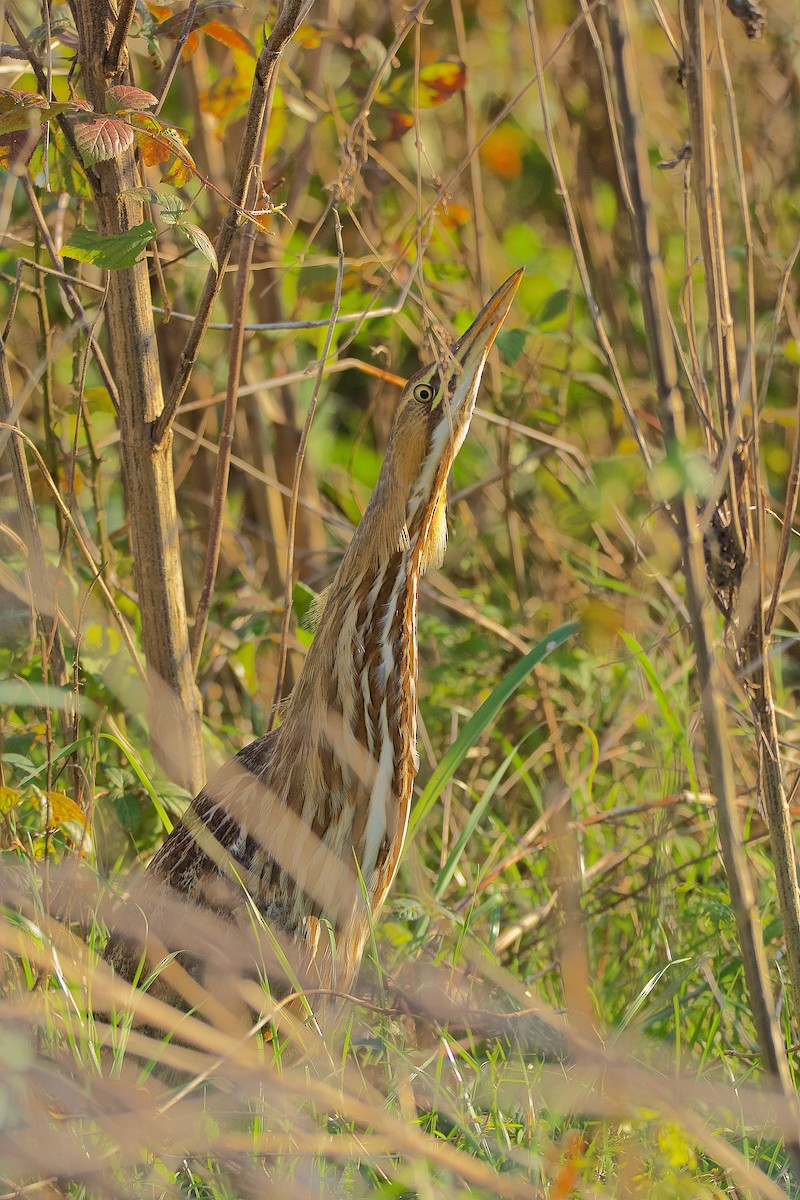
(553, 517)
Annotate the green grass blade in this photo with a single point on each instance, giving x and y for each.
(480, 721)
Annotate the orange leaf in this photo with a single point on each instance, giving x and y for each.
(152, 150)
(454, 215)
(502, 151)
(192, 42)
(230, 37)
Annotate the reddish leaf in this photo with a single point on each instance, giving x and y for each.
(129, 99)
(159, 11)
(102, 138)
(439, 81)
(12, 98)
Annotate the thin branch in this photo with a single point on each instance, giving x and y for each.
(289, 19)
(122, 624)
(172, 65)
(116, 55)
(575, 241)
(298, 469)
(70, 295)
(227, 424)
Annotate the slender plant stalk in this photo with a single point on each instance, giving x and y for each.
(746, 617)
(42, 586)
(684, 506)
(175, 713)
(227, 425)
(298, 471)
(289, 20)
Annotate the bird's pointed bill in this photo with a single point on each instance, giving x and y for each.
(472, 348)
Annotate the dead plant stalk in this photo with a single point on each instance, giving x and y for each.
(684, 504)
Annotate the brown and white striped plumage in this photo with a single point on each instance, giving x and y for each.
(307, 823)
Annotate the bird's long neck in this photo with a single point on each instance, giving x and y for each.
(354, 708)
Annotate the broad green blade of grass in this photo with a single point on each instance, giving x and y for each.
(482, 719)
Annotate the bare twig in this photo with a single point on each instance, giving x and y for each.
(289, 20)
(70, 295)
(42, 587)
(575, 242)
(172, 65)
(298, 468)
(116, 57)
(246, 247)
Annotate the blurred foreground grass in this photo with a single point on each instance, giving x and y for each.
(568, 876)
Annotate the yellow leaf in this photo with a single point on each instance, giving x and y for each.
(439, 81)
(9, 797)
(62, 808)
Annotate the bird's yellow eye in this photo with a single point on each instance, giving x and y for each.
(423, 392)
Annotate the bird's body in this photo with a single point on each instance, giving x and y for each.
(303, 830)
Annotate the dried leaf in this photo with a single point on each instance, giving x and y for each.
(201, 241)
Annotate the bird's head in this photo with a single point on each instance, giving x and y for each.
(430, 425)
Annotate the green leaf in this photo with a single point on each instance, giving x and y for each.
(302, 598)
(480, 721)
(112, 253)
(511, 343)
(554, 306)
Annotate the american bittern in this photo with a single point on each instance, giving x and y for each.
(306, 825)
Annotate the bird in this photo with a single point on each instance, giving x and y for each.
(300, 835)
